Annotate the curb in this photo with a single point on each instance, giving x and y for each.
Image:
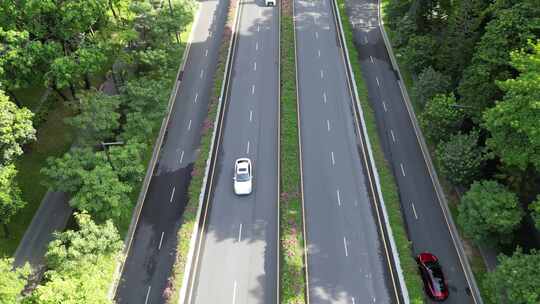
(378, 194)
(186, 290)
(152, 164)
(278, 205)
(431, 169)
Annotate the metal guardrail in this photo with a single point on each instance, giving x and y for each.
(205, 196)
(388, 241)
(469, 276)
(151, 165)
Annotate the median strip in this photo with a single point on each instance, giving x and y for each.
(292, 264)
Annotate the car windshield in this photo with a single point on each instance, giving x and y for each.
(242, 177)
(437, 275)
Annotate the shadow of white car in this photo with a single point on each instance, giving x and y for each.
(243, 176)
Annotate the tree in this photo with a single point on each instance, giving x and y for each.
(516, 279)
(534, 207)
(98, 117)
(419, 53)
(489, 213)
(10, 196)
(15, 129)
(430, 83)
(102, 194)
(13, 281)
(441, 117)
(88, 282)
(66, 173)
(128, 163)
(460, 158)
(510, 29)
(89, 243)
(514, 122)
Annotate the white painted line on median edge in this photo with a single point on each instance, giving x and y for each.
(384, 106)
(234, 293)
(172, 194)
(189, 125)
(338, 197)
(247, 149)
(161, 240)
(345, 245)
(393, 137)
(196, 97)
(378, 84)
(240, 233)
(324, 96)
(333, 159)
(255, 65)
(322, 74)
(371, 58)
(414, 211)
(402, 170)
(328, 125)
(147, 294)
(181, 156)
(252, 89)
(250, 115)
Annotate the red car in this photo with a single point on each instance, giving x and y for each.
(432, 275)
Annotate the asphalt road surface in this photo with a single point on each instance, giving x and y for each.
(238, 260)
(424, 217)
(346, 259)
(152, 254)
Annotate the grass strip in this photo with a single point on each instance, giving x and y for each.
(387, 180)
(292, 279)
(473, 254)
(189, 217)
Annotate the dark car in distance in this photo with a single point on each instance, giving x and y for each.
(432, 275)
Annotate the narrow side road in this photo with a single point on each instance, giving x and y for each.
(238, 259)
(425, 219)
(152, 254)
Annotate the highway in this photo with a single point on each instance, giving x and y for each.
(238, 261)
(151, 257)
(425, 219)
(347, 260)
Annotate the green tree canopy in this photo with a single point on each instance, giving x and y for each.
(66, 173)
(429, 84)
(102, 194)
(516, 279)
(441, 117)
(10, 195)
(127, 161)
(420, 52)
(514, 123)
(13, 281)
(89, 243)
(460, 158)
(535, 211)
(489, 213)
(15, 129)
(98, 117)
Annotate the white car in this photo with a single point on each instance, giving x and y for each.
(270, 2)
(242, 176)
